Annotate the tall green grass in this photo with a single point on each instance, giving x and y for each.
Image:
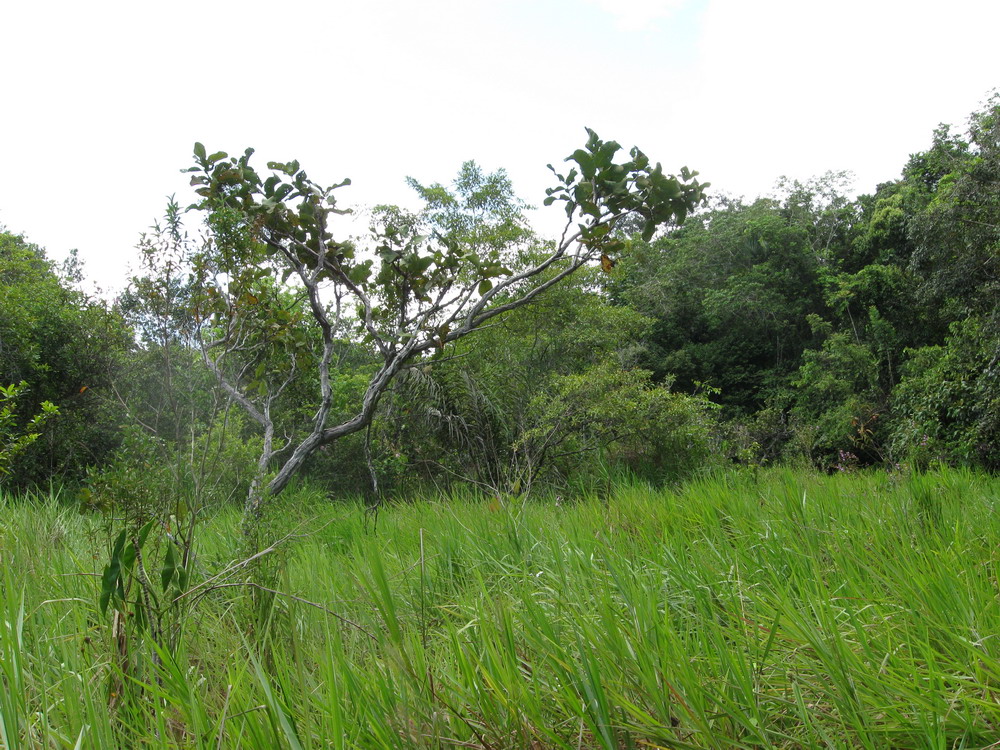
(777, 609)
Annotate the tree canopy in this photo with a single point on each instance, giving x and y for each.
(274, 295)
(805, 324)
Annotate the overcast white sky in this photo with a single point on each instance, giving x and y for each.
(102, 101)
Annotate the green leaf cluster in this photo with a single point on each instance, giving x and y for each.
(15, 440)
(67, 349)
(603, 191)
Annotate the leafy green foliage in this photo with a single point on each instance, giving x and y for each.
(947, 404)
(619, 415)
(13, 441)
(824, 321)
(600, 189)
(956, 233)
(822, 325)
(464, 415)
(439, 275)
(67, 349)
(151, 502)
(730, 293)
(838, 402)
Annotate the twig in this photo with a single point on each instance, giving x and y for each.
(257, 586)
(243, 563)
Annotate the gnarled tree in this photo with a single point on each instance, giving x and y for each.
(278, 299)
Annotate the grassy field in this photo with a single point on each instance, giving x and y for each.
(778, 609)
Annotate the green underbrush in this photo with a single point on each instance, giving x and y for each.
(772, 609)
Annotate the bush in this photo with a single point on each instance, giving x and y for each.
(947, 405)
(623, 417)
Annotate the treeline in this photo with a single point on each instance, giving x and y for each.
(845, 332)
(807, 326)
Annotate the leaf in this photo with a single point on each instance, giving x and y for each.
(484, 286)
(119, 545)
(128, 557)
(360, 273)
(648, 229)
(418, 266)
(585, 161)
(606, 263)
(112, 573)
(144, 532)
(199, 151)
(108, 582)
(169, 567)
(139, 616)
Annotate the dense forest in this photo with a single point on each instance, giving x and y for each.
(805, 326)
